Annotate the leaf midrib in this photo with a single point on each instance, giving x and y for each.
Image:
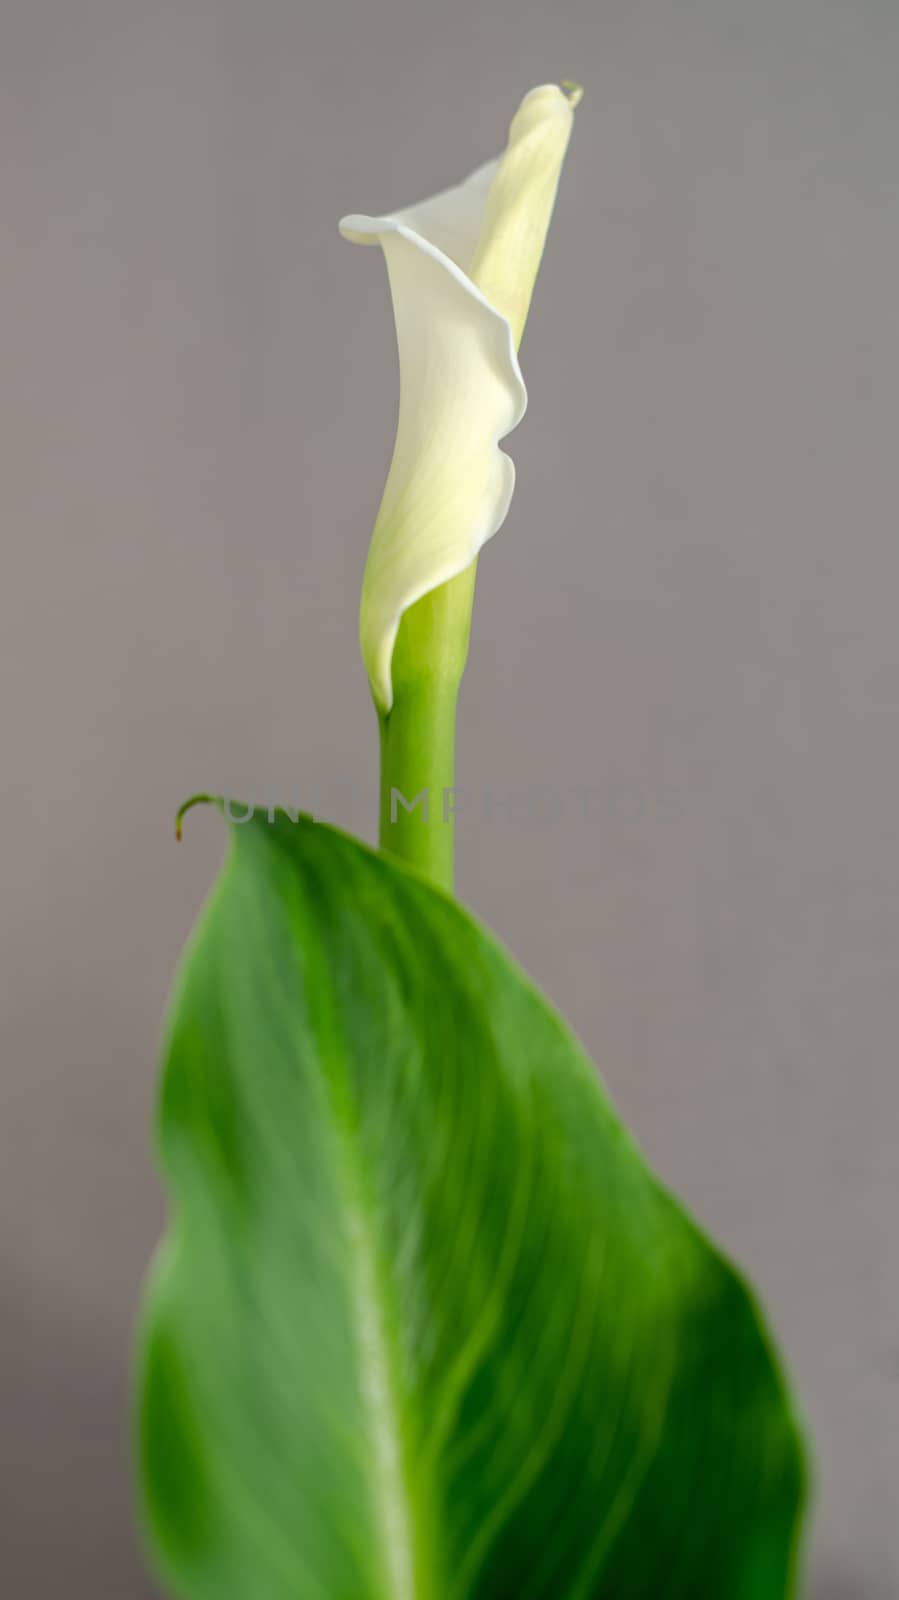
(392, 1499)
(389, 1482)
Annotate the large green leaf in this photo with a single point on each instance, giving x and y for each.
(424, 1324)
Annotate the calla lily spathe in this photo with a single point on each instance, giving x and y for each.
(462, 267)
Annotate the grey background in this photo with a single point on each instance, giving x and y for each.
(688, 625)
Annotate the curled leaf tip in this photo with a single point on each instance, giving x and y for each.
(195, 800)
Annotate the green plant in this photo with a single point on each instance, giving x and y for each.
(424, 1325)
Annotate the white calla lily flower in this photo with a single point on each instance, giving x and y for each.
(462, 267)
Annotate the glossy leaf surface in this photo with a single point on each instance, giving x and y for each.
(425, 1327)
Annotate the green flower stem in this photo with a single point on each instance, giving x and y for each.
(418, 734)
(417, 770)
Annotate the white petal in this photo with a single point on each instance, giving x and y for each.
(461, 389)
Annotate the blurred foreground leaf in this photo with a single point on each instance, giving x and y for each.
(424, 1326)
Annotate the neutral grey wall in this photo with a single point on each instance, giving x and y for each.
(689, 620)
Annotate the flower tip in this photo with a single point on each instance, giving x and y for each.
(572, 91)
